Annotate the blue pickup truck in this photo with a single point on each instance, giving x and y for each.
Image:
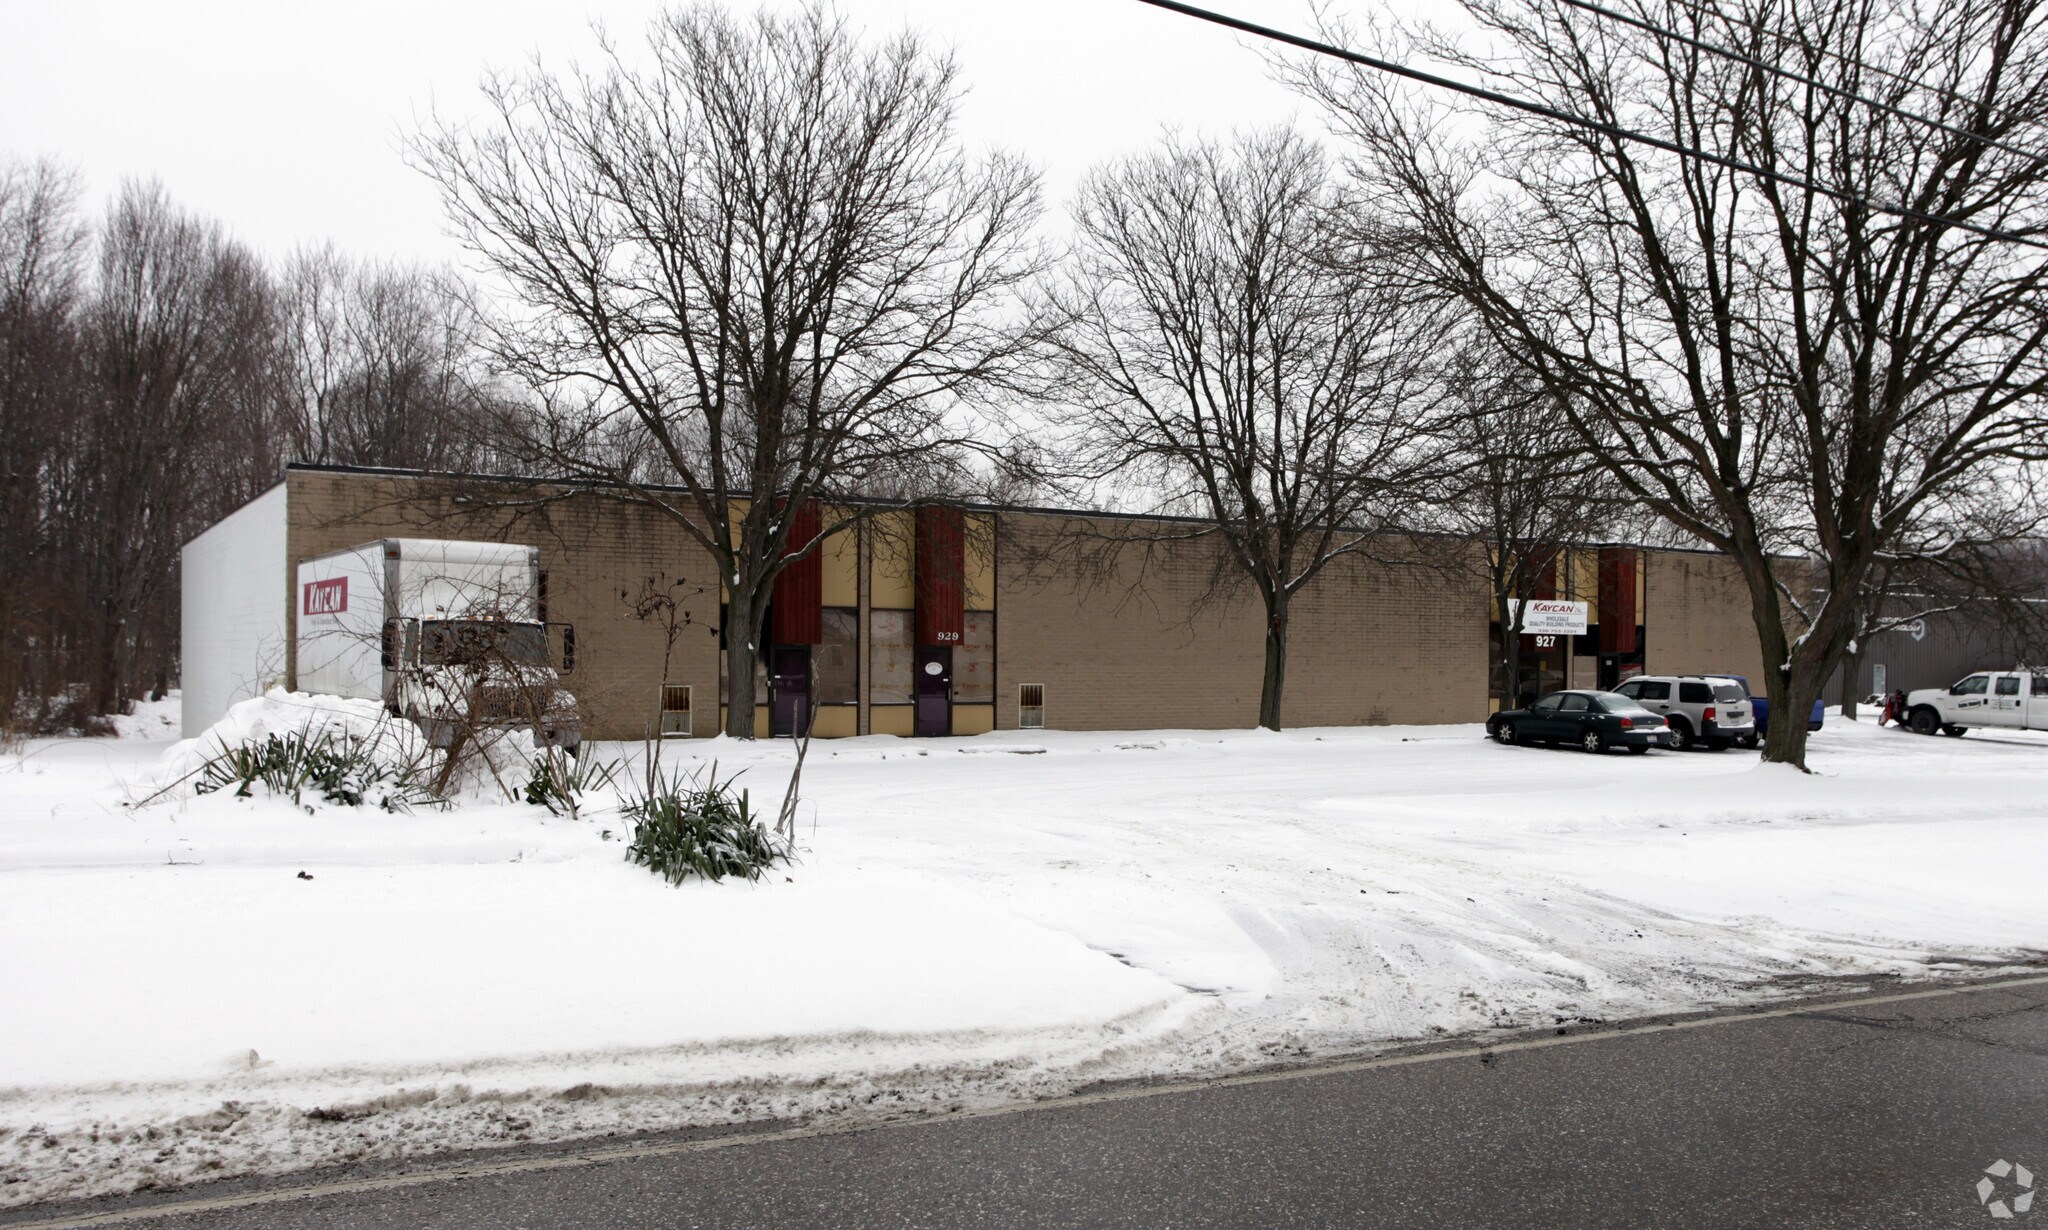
(1761, 707)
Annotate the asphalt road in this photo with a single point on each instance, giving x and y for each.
(1863, 1115)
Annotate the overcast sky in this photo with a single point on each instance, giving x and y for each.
(284, 120)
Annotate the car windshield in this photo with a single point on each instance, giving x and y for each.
(1728, 693)
(482, 642)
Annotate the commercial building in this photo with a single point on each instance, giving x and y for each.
(961, 620)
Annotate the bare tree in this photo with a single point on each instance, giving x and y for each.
(1523, 490)
(384, 365)
(176, 341)
(42, 259)
(1818, 337)
(757, 272)
(1231, 351)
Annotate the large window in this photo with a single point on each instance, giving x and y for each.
(974, 661)
(837, 664)
(890, 660)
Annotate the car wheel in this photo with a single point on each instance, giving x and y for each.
(1954, 731)
(1637, 749)
(1504, 734)
(1593, 741)
(1924, 721)
(1681, 736)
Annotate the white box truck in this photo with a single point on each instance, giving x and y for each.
(445, 633)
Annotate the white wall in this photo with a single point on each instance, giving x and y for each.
(236, 583)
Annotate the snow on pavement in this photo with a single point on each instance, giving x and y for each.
(1051, 910)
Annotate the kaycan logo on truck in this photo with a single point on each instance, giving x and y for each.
(327, 597)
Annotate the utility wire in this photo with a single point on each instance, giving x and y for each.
(1653, 28)
(1616, 131)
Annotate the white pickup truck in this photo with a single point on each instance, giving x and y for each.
(2011, 700)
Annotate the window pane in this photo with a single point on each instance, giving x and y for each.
(1973, 686)
(1729, 694)
(1695, 694)
(2041, 685)
(1656, 691)
(2008, 685)
(1547, 705)
(974, 662)
(1574, 703)
(838, 660)
(889, 657)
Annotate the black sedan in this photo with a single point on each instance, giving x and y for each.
(1595, 721)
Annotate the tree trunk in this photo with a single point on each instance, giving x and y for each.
(1276, 663)
(1852, 679)
(742, 649)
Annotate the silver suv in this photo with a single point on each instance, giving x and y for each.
(1713, 713)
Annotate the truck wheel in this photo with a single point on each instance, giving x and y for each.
(1924, 721)
(1953, 731)
(1681, 736)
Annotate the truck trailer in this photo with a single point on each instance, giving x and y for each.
(447, 633)
(443, 632)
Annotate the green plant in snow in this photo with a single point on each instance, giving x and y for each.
(332, 765)
(684, 826)
(560, 779)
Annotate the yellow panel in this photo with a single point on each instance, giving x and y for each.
(892, 720)
(760, 720)
(1586, 582)
(892, 580)
(973, 719)
(980, 545)
(839, 560)
(836, 722)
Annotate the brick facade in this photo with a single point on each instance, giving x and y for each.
(1140, 643)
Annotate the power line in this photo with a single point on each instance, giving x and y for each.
(1775, 70)
(1616, 131)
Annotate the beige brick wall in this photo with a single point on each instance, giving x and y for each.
(1696, 617)
(1130, 647)
(1135, 646)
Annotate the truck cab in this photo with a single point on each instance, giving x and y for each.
(2013, 700)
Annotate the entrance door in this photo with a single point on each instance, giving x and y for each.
(934, 691)
(789, 690)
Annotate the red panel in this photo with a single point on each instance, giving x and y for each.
(1618, 615)
(797, 611)
(941, 576)
(1546, 581)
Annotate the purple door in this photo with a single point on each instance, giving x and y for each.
(789, 690)
(934, 691)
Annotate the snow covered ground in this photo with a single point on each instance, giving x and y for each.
(972, 921)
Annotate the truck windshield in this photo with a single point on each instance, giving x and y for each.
(482, 642)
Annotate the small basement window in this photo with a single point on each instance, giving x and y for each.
(675, 711)
(1030, 706)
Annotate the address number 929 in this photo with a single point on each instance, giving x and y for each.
(949, 636)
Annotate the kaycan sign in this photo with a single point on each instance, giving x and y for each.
(327, 597)
(1550, 617)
